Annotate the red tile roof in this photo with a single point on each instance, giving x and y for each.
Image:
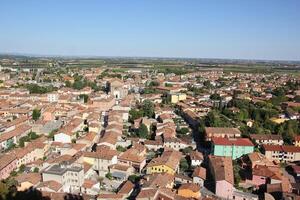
(232, 141)
(285, 148)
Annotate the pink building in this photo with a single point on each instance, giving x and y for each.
(262, 175)
(7, 165)
(49, 114)
(222, 172)
(224, 189)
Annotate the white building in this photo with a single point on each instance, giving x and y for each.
(63, 138)
(52, 97)
(71, 177)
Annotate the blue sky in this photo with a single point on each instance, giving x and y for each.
(249, 29)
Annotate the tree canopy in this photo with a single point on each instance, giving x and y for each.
(36, 113)
(143, 131)
(148, 108)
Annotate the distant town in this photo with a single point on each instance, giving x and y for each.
(114, 128)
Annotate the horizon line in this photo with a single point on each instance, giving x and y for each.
(149, 57)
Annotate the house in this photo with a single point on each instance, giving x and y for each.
(50, 186)
(126, 189)
(158, 180)
(52, 97)
(90, 187)
(199, 175)
(28, 180)
(213, 132)
(175, 143)
(29, 153)
(267, 139)
(133, 157)
(176, 97)
(101, 159)
(181, 179)
(168, 162)
(240, 195)
(254, 159)
(262, 175)
(109, 139)
(121, 172)
(196, 158)
(67, 133)
(42, 127)
(221, 169)
(117, 88)
(103, 104)
(167, 130)
(282, 153)
(71, 177)
(7, 165)
(155, 194)
(153, 145)
(189, 190)
(191, 117)
(110, 196)
(234, 147)
(9, 138)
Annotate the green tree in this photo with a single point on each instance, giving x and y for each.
(109, 176)
(148, 108)
(215, 96)
(183, 131)
(52, 133)
(3, 190)
(36, 89)
(143, 131)
(36, 170)
(153, 84)
(135, 114)
(22, 141)
(187, 150)
(33, 135)
(168, 85)
(215, 119)
(22, 168)
(184, 165)
(36, 113)
(134, 178)
(120, 148)
(78, 85)
(242, 115)
(68, 84)
(84, 97)
(236, 172)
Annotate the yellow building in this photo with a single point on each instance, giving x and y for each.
(168, 162)
(160, 169)
(175, 98)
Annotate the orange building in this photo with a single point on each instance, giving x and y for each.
(189, 190)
